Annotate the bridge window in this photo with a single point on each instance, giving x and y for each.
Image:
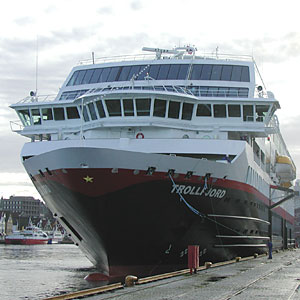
(220, 72)
(233, 92)
(96, 76)
(85, 114)
(226, 73)
(88, 75)
(248, 113)
(243, 92)
(100, 108)
(59, 114)
(124, 73)
(72, 112)
(24, 116)
(113, 74)
(134, 72)
(47, 114)
(72, 94)
(142, 72)
(113, 107)
(159, 108)
(187, 111)
(104, 75)
(80, 77)
(173, 72)
(216, 72)
(196, 72)
(234, 110)
(182, 75)
(163, 72)
(245, 74)
(203, 110)
(143, 107)
(73, 79)
(206, 72)
(174, 108)
(153, 71)
(128, 107)
(213, 91)
(92, 111)
(261, 112)
(236, 73)
(219, 110)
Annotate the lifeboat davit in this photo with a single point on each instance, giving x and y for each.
(285, 169)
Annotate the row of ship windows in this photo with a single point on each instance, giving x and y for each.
(254, 179)
(198, 91)
(143, 107)
(161, 72)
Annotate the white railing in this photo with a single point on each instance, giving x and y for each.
(39, 98)
(138, 57)
(147, 88)
(118, 58)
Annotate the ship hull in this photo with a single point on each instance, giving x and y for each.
(130, 220)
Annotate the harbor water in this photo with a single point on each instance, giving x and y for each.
(40, 271)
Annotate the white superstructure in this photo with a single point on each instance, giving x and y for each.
(199, 119)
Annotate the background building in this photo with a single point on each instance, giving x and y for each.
(21, 209)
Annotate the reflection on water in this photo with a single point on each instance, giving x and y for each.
(40, 271)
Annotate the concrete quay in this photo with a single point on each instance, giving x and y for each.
(254, 278)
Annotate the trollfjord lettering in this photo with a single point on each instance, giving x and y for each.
(198, 191)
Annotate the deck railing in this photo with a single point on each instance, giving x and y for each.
(139, 57)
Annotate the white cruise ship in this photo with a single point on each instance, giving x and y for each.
(140, 156)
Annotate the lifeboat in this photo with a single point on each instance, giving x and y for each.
(286, 184)
(285, 169)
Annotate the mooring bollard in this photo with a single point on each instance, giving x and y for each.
(208, 264)
(130, 280)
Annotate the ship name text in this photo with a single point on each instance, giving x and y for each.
(198, 191)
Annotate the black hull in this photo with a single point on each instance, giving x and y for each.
(144, 227)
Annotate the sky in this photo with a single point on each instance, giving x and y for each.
(66, 31)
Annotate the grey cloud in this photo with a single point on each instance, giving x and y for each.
(50, 9)
(266, 48)
(133, 44)
(76, 34)
(17, 49)
(106, 10)
(136, 5)
(290, 130)
(24, 21)
(10, 152)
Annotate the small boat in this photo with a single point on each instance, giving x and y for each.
(31, 235)
(55, 236)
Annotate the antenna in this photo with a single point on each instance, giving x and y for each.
(36, 65)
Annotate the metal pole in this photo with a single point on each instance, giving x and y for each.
(270, 216)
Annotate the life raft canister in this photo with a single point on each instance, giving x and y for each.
(139, 135)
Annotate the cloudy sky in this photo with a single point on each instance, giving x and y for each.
(67, 31)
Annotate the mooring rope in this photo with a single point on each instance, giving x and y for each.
(197, 212)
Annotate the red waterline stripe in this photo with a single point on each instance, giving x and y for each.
(73, 180)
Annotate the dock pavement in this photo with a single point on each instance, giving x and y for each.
(250, 278)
